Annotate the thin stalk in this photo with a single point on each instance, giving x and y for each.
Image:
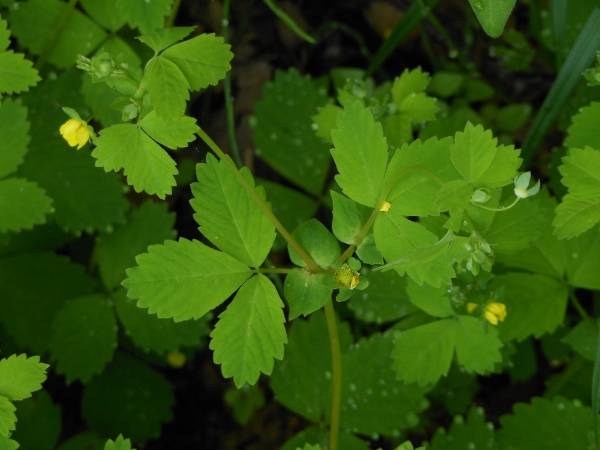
(336, 365)
(313, 267)
(582, 312)
(55, 33)
(174, 10)
(235, 151)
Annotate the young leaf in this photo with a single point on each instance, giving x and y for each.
(128, 397)
(203, 60)
(250, 333)
(360, 154)
(304, 292)
(147, 166)
(492, 14)
(184, 279)
(20, 376)
(160, 39)
(464, 434)
(7, 418)
(119, 444)
(85, 337)
(168, 88)
(146, 16)
(318, 242)
(173, 134)
(228, 216)
(14, 136)
(23, 204)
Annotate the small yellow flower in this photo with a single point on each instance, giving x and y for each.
(354, 282)
(385, 207)
(471, 307)
(75, 132)
(495, 312)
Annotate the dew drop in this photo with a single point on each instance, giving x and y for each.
(478, 5)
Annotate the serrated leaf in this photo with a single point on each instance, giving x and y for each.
(16, 73)
(250, 333)
(477, 345)
(119, 444)
(84, 338)
(203, 60)
(454, 197)
(115, 251)
(544, 424)
(4, 35)
(106, 13)
(318, 242)
(34, 22)
(320, 436)
(418, 108)
(130, 398)
(7, 417)
(411, 81)
(184, 279)
(8, 444)
(23, 204)
(464, 434)
(360, 154)
(283, 122)
(304, 292)
(434, 301)
(581, 172)
(576, 215)
(583, 130)
(228, 216)
(20, 376)
(158, 335)
(168, 88)
(160, 39)
(492, 14)
(173, 134)
(146, 16)
(14, 136)
(583, 260)
(39, 423)
(35, 287)
(147, 166)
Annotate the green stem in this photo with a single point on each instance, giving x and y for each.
(336, 365)
(501, 208)
(289, 21)
(235, 151)
(313, 267)
(582, 312)
(174, 10)
(55, 33)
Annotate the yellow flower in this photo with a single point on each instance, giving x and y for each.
(495, 312)
(75, 132)
(471, 307)
(385, 207)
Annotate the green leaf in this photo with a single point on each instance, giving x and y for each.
(360, 154)
(160, 39)
(173, 134)
(34, 22)
(464, 434)
(168, 88)
(250, 333)
(116, 251)
(583, 130)
(434, 301)
(228, 216)
(576, 215)
(309, 447)
(305, 292)
(16, 73)
(106, 13)
(583, 338)
(128, 397)
(245, 401)
(119, 444)
(23, 204)
(7, 417)
(492, 14)
(318, 242)
(147, 166)
(184, 279)
(39, 423)
(477, 345)
(8, 444)
(325, 121)
(20, 376)
(535, 305)
(454, 197)
(4, 35)
(319, 436)
(411, 81)
(14, 136)
(283, 133)
(203, 60)
(583, 260)
(145, 16)
(544, 424)
(87, 441)
(85, 337)
(35, 287)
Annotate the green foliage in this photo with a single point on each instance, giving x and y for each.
(244, 401)
(147, 16)
(473, 432)
(39, 423)
(492, 14)
(119, 444)
(16, 73)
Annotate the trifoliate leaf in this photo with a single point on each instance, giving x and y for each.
(583, 260)
(20, 376)
(168, 88)
(106, 13)
(147, 166)
(130, 398)
(472, 433)
(160, 39)
(250, 333)
(14, 136)
(183, 280)
(16, 73)
(7, 417)
(173, 134)
(38, 423)
(228, 215)
(116, 250)
(145, 16)
(35, 287)
(34, 22)
(203, 60)
(23, 204)
(492, 14)
(304, 292)
(85, 337)
(544, 424)
(360, 154)
(529, 296)
(283, 133)
(119, 444)
(584, 131)
(318, 242)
